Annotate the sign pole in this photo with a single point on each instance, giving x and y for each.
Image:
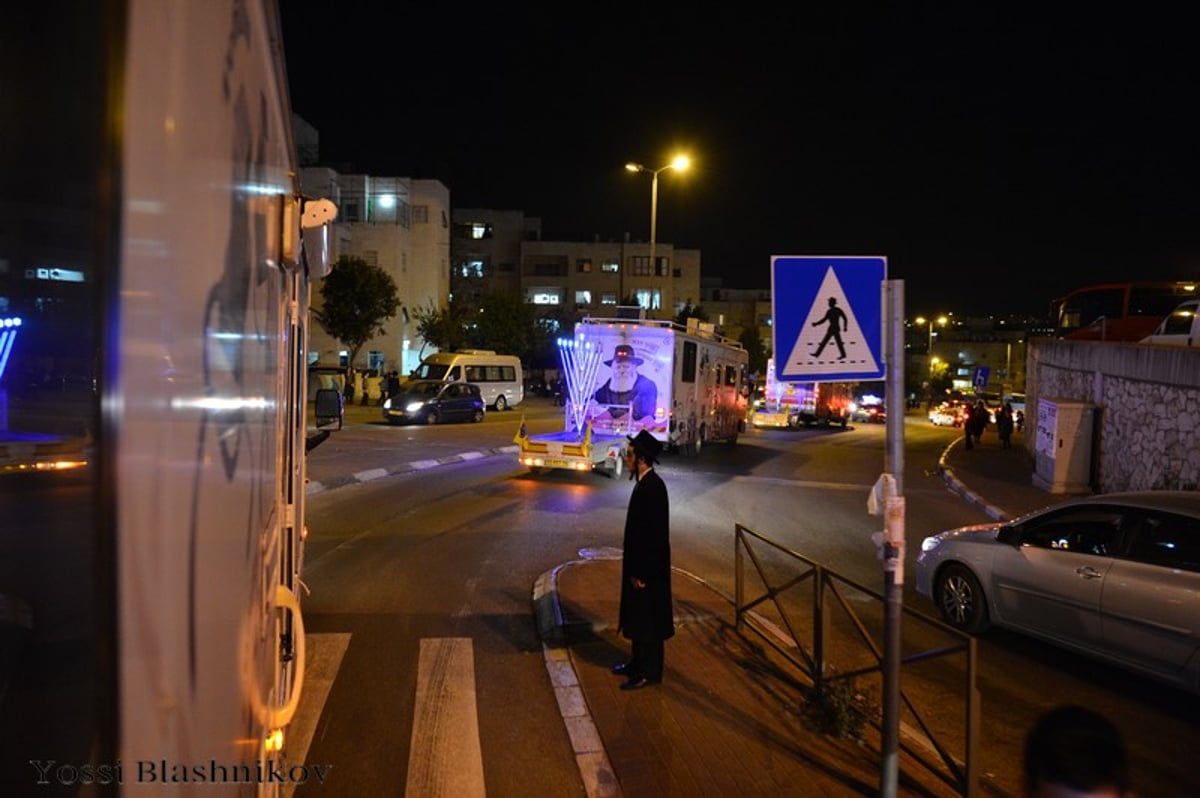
(893, 534)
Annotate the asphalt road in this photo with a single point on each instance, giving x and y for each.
(451, 552)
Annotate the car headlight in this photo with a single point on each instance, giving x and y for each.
(931, 543)
(387, 403)
(413, 407)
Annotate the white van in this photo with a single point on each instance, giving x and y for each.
(499, 377)
(1181, 328)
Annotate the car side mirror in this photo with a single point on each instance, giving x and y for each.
(329, 408)
(1010, 535)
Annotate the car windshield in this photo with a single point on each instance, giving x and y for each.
(425, 388)
(430, 371)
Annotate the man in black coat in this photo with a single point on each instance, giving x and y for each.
(647, 613)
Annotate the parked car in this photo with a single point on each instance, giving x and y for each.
(1181, 328)
(869, 412)
(948, 414)
(1115, 577)
(431, 402)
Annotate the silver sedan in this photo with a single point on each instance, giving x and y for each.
(1114, 576)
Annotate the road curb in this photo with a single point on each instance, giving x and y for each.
(313, 487)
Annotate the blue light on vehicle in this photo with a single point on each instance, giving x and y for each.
(8, 334)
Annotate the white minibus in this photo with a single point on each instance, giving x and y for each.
(499, 377)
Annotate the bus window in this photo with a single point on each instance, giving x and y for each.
(1117, 311)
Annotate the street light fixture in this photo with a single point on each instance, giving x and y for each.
(679, 164)
(941, 321)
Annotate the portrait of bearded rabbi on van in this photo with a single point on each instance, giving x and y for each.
(639, 378)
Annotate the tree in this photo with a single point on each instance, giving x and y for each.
(356, 299)
(756, 348)
(505, 323)
(690, 312)
(445, 328)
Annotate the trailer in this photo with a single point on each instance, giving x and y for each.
(792, 404)
(683, 385)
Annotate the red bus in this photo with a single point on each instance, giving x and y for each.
(1126, 311)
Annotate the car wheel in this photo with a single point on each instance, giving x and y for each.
(501, 403)
(478, 416)
(431, 417)
(960, 599)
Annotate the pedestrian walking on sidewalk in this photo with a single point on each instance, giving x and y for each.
(646, 616)
(1004, 425)
(975, 422)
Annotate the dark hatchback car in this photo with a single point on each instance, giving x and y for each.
(432, 402)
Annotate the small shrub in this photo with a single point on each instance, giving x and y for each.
(837, 709)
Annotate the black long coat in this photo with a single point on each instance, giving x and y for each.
(647, 614)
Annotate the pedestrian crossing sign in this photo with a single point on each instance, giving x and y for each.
(827, 317)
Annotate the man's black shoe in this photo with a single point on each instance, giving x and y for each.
(637, 682)
(621, 668)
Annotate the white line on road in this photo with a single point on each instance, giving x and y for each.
(445, 757)
(325, 653)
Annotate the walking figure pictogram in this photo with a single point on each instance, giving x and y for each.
(837, 323)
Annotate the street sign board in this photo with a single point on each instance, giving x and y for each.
(980, 380)
(827, 317)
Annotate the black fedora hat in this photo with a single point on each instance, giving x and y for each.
(624, 354)
(646, 445)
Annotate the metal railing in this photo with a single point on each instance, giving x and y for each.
(810, 653)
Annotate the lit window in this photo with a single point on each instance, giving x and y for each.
(608, 299)
(545, 296)
(583, 298)
(469, 269)
(584, 265)
(610, 266)
(649, 299)
(481, 230)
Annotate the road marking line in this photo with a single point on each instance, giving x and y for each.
(325, 653)
(445, 757)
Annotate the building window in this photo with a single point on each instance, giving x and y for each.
(608, 298)
(473, 230)
(584, 265)
(583, 299)
(371, 256)
(610, 266)
(471, 269)
(420, 214)
(549, 269)
(660, 266)
(546, 296)
(640, 265)
(349, 210)
(650, 299)
(375, 360)
(677, 272)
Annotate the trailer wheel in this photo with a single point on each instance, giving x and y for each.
(617, 468)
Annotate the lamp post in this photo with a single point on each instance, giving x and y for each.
(680, 163)
(941, 321)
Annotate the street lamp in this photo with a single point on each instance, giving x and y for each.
(942, 321)
(679, 164)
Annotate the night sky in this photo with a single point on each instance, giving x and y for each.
(997, 158)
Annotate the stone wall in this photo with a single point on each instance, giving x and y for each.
(1147, 433)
